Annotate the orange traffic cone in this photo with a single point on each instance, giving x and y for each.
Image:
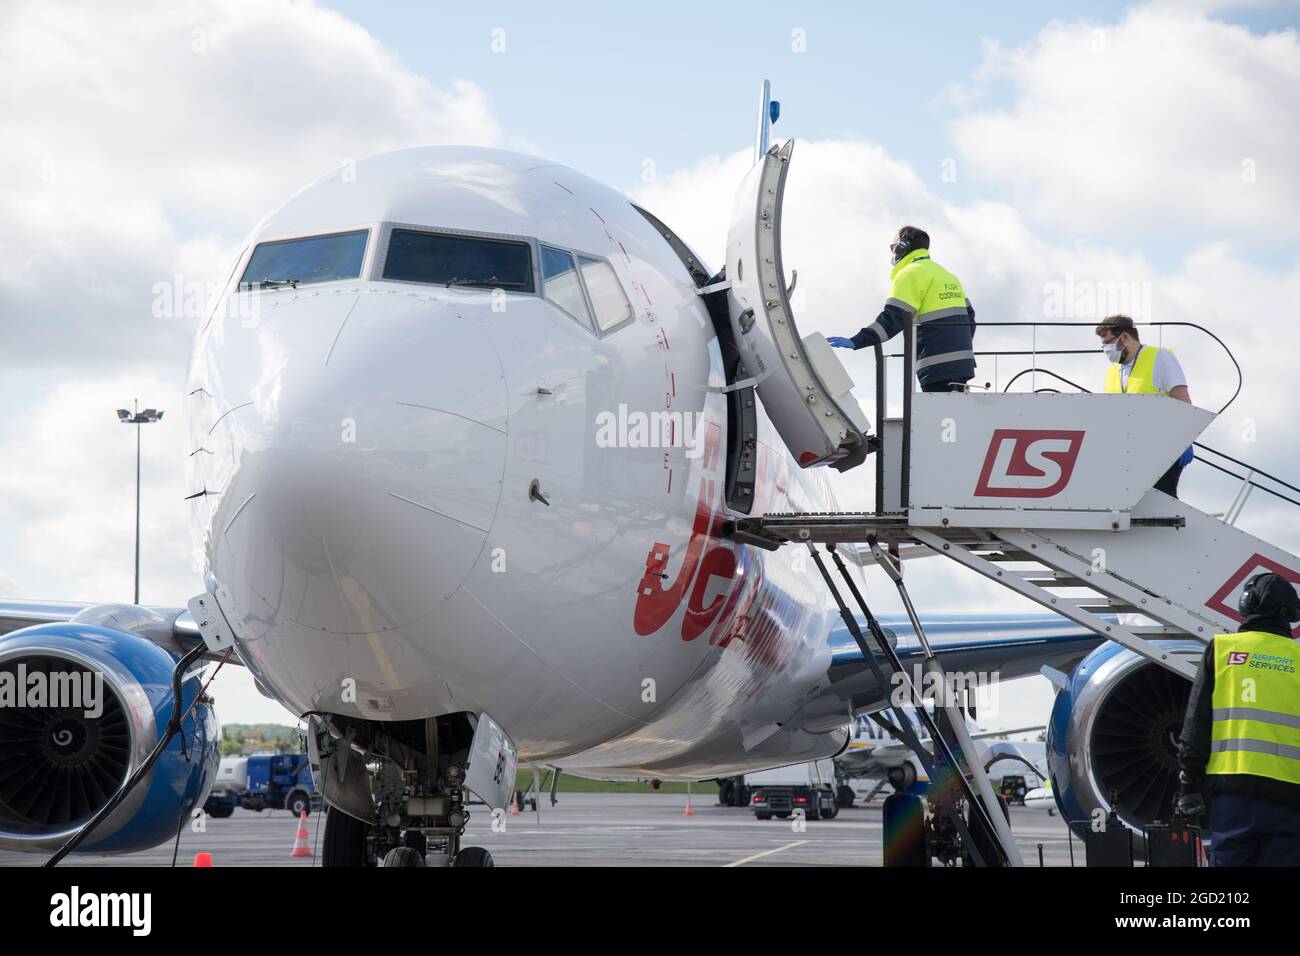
(514, 805)
(690, 812)
(202, 859)
(300, 847)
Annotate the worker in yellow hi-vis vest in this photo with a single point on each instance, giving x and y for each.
(1240, 746)
(1144, 369)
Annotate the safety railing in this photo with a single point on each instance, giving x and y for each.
(908, 355)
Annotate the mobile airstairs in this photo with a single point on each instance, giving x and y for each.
(1046, 493)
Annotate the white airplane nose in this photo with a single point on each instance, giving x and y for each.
(375, 443)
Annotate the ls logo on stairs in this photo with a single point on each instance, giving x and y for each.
(1028, 462)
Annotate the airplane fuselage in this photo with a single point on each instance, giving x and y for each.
(418, 498)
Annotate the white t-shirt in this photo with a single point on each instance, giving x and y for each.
(1166, 376)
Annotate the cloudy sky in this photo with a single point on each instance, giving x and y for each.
(1138, 154)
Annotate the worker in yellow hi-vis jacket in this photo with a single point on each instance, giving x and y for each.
(1240, 746)
(924, 292)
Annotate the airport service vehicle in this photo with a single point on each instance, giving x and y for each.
(809, 787)
(262, 782)
(487, 465)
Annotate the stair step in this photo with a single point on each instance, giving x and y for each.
(1063, 581)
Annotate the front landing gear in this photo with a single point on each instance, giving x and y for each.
(409, 805)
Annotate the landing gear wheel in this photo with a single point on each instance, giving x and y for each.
(220, 812)
(345, 839)
(903, 825)
(473, 856)
(830, 809)
(844, 796)
(403, 856)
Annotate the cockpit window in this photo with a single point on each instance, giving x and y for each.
(313, 259)
(607, 298)
(459, 261)
(561, 285)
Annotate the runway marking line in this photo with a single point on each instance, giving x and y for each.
(759, 856)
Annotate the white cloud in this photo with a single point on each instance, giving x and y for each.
(1166, 120)
(142, 141)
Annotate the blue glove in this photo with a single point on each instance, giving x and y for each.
(840, 342)
(1186, 457)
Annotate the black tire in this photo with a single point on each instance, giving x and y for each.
(759, 815)
(403, 856)
(473, 856)
(903, 825)
(298, 802)
(220, 811)
(812, 811)
(845, 796)
(830, 809)
(732, 792)
(345, 839)
(783, 815)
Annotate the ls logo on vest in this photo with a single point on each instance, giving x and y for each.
(1238, 657)
(1028, 462)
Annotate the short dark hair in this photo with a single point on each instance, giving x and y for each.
(1119, 324)
(919, 237)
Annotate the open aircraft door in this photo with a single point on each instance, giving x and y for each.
(803, 386)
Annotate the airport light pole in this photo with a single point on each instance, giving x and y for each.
(138, 418)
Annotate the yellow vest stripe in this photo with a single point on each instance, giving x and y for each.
(1254, 713)
(1256, 746)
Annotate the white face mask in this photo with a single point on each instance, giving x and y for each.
(1112, 351)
